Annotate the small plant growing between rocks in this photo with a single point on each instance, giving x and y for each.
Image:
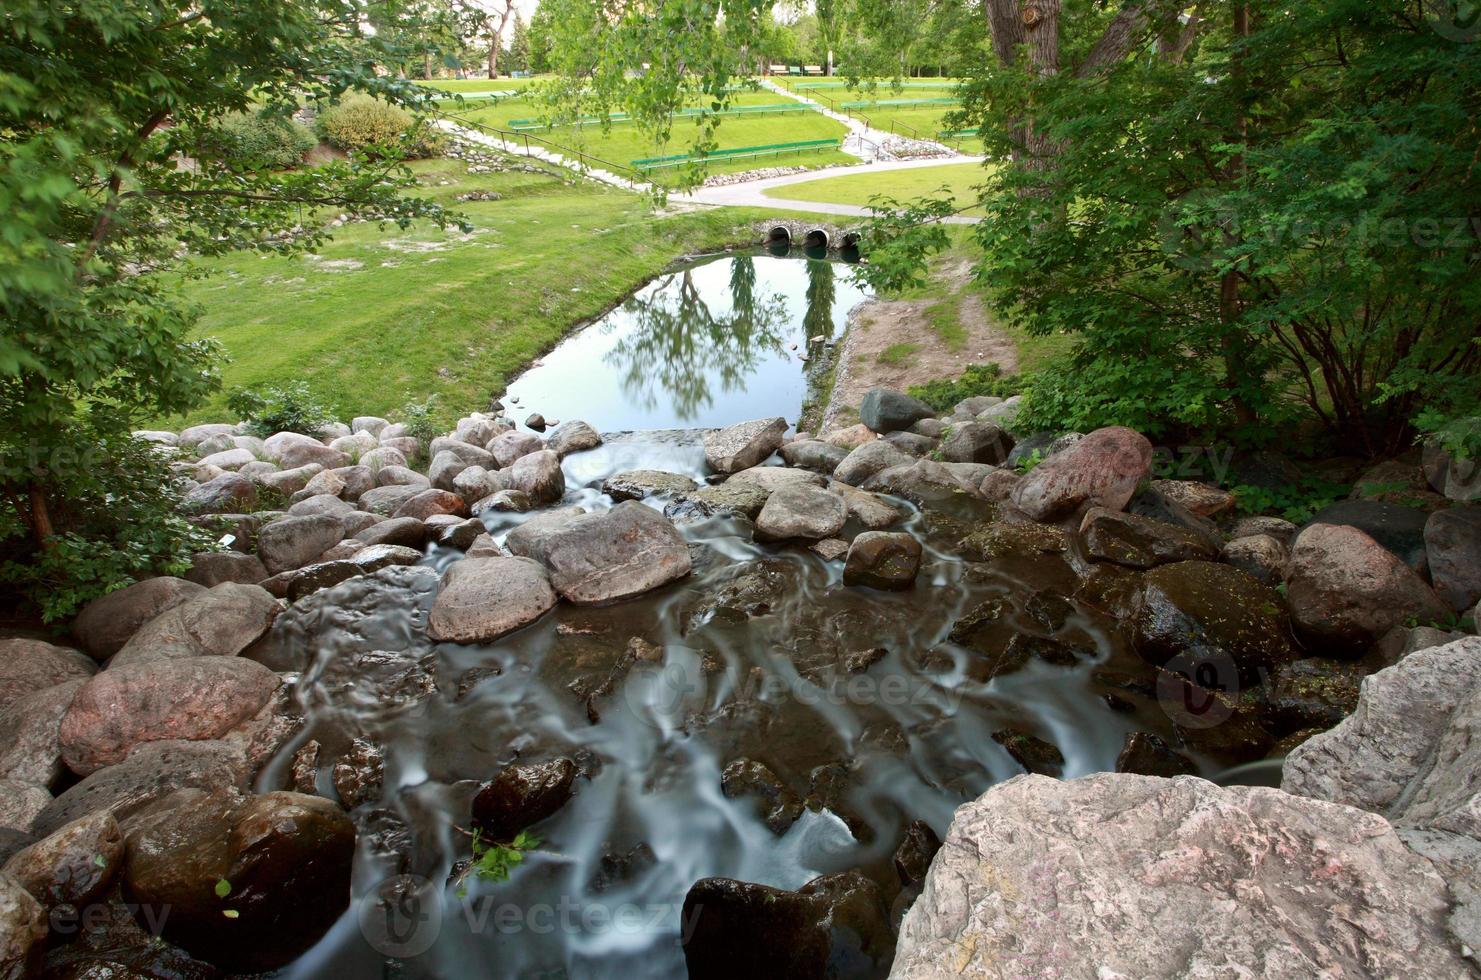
(280, 408)
(1028, 462)
(493, 862)
(423, 422)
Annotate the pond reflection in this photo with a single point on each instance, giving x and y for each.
(719, 341)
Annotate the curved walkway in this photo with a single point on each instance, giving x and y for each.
(753, 193)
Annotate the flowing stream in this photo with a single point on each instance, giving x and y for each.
(857, 700)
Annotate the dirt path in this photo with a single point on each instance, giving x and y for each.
(899, 343)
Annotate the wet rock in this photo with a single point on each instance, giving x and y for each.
(883, 560)
(1211, 613)
(1031, 752)
(21, 803)
(1278, 528)
(522, 796)
(28, 666)
(211, 568)
(428, 503)
(870, 510)
(778, 807)
(505, 501)
(1201, 499)
(539, 476)
(1138, 542)
(29, 749)
(285, 856)
(1312, 693)
(572, 437)
(387, 499)
(1345, 590)
(1260, 556)
(730, 498)
(772, 478)
(198, 698)
(22, 931)
(1453, 541)
(512, 446)
(976, 442)
(1148, 755)
(997, 486)
(739, 447)
(364, 561)
(830, 549)
(637, 484)
(359, 775)
(1103, 469)
(458, 535)
(1398, 528)
(73, 866)
(911, 444)
(605, 557)
(814, 454)
(481, 599)
(1163, 854)
(886, 410)
(804, 512)
(914, 855)
(998, 542)
(867, 460)
(152, 770)
(834, 926)
(106, 623)
(225, 493)
(294, 542)
(221, 623)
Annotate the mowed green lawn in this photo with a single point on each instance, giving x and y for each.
(381, 317)
(903, 185)
(465, 85)
(625, 142)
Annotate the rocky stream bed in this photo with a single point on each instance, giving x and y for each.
(745, 702)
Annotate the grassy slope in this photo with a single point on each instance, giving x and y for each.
(903, 185)
(382, 317)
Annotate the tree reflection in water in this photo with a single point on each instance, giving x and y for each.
(678, 346)
(821, 292)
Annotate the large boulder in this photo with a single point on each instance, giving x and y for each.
(105, 624)
(522, 796)
(1398, 528)
(285, 857)
(294, 542)
(1345, 590)
(834, 926)
(363, 561)
(28, 666)
(1139, 542)
(72, 866)
(572, 437)
(431, 502)
(814, 454)
(604, 557)
(513, 446)
(21, 804)
(538, 476)
(196, 698)
(225, 493)
(408, 532)
(481, 599)
(212, 568)
(637, 484)
(22, 931)
(222, 623)
(1260, 556)
(869, 509)
(730, 499)
(1453, 539)
(1103, 470)
(976, 442)
(801, 512)
(883, 560)
(742, 446)
(775, 477)
(29, 747)
(867, 460)
(1211, 613)
(1117, 875)
(886, 410)
(1410, 753)
(388, 498)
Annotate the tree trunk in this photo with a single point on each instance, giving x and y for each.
(40, 517)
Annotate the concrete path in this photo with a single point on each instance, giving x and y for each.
(753, 193)
(863, 141)
(539, 153)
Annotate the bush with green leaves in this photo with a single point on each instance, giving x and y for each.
(113, 505)
(977, 380)
(424, 422)
(363, 124)
(291, 407)
(261, 140)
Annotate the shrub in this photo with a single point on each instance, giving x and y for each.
(976, 380)
(259, 141)
(423, 421)
(280, 408)
(360, 123)
(113, 503)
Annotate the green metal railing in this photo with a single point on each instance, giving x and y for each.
(777, 108)
(647, 164)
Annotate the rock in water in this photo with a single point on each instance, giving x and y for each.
(834, 926)
(481, 599)
(883, 560)
(887, 410)
(805, 512)
(637, 484)
(1211, 613)
(604, 557)
(1103, 469)
(739, 447)
(1029, 871)
(572, 437)
(522, 796)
